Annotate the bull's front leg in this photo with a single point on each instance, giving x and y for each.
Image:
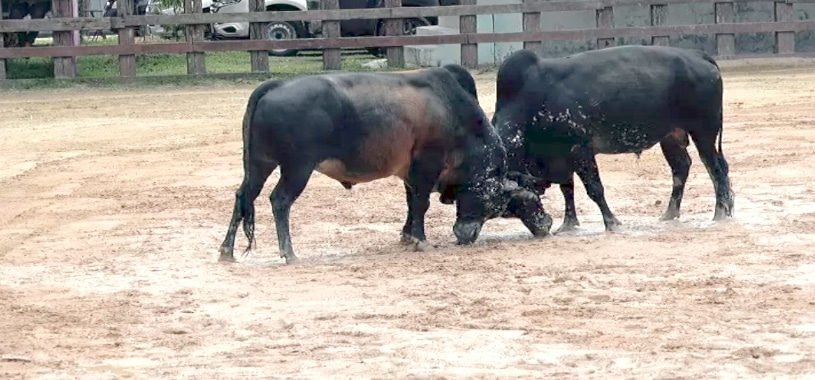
(422, 177)
(570, 211)
(586, 166)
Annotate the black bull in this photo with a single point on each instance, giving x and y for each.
(425, 127)
(555, 115)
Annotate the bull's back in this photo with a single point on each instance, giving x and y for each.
(395, 123)
(359, 127)
(628, 98)
(646, 75)
(392, 119)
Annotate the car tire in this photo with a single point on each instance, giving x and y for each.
(408, 30)
(282, 30)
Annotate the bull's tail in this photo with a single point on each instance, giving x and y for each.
(721, 130)
(708, 58)
(719, 120)
(252, 183)
(719, 94)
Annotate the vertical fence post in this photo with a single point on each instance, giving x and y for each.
(395, 27)
(127, 62)
(84, 11)
(532, 23)
(196, 61)
(468, 25)
(64, 67)
(75, 34)
(605, 20)
(2, 45)
(658, 15)
(332, 58)
(725, 42)
(257, 31)
(784, 41)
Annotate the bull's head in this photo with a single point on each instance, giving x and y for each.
(480, 187)
(472, 210)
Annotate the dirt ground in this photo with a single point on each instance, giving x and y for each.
(115, 203)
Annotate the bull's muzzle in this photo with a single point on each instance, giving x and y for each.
(467, 231)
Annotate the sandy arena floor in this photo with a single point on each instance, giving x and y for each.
(115, 203)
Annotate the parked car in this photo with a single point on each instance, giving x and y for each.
(374, 27)
(139, 8)
(275, 30)
(286, 30)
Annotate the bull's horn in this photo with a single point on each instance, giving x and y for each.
(528, 195)
(510, 185)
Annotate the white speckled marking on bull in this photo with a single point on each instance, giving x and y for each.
(563, 117)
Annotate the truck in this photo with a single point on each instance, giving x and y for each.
(285, 30)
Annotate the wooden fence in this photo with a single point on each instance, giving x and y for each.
(195, 46)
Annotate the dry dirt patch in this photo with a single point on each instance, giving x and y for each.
(112, 219)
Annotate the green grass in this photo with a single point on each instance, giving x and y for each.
(39, 72)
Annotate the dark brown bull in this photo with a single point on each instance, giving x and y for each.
(361, 127)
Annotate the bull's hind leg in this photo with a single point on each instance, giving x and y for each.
(407, 229)
(718, 169)
(570, 211)
(293, 180)
(675, 149)
(244, 209)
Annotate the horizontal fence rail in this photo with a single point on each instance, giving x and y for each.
(361, 42)
(785, 26)
(94, 23)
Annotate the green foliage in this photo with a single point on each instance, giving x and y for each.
(177, 5)
(176, 31)
(101, 69)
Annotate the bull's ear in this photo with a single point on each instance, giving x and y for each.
(448, 194)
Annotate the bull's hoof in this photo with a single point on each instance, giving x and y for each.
(614, 227)
(565, 228)
(226, 255)
(406, 239)
(667, 218)
(669, 215)
(722, 214)
(569, 225)
(291, 259)
(422, 246)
